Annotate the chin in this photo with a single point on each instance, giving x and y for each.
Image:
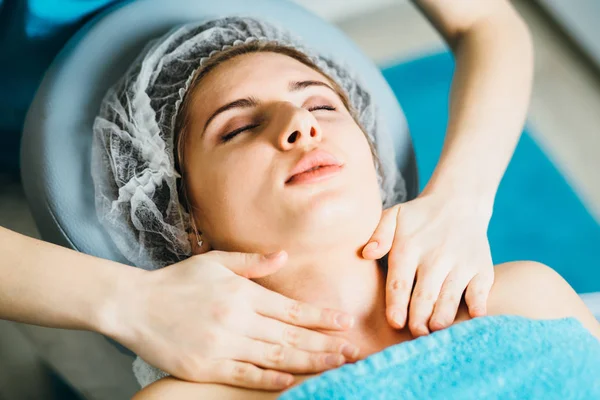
(337, 218)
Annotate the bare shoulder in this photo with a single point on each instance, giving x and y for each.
(171, 388)
(534, 290)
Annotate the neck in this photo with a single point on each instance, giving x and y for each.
(341, 280)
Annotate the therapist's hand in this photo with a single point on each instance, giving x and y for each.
(438, 244)
(204, 320)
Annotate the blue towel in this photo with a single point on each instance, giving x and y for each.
(498, 357)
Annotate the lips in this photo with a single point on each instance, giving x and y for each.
(313, 161)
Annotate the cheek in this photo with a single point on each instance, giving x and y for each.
(355, 211)
(352, 141)
(240, 170)
(364, 173)
(227, 181)
(223, 179)
(358, 151)
(367, 188)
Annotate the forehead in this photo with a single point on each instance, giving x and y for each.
(254, 74)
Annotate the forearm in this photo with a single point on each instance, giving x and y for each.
(489, 98)
(48, 285)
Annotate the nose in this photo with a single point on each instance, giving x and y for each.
(296, 126)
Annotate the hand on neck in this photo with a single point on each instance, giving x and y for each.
(341, 279)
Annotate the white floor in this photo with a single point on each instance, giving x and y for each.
(564, 114)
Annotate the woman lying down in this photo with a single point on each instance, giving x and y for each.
(230, 135)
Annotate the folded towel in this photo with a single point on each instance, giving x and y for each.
(498, 357)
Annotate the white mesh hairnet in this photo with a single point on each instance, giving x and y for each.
(132, 152)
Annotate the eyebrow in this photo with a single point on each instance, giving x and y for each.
(249, 102)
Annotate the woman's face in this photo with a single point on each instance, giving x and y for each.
(237, 182)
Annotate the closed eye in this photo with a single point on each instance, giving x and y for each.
(228, 136)
(329, 108)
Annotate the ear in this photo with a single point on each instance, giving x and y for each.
(194, 243)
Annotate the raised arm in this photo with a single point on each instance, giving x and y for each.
(438, 242)
(489, 97)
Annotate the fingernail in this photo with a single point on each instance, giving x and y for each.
(398, 318)
(272, 256)
(350, 351)
(422, 331)
(438, 324)
(283, 380)
(344, 321)
(371, 246)
(334, 360)
(478, 311)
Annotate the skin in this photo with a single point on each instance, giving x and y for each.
(319, 225)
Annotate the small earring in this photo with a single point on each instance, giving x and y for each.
(199, 240)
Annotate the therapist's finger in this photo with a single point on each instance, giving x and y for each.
(248, 265)
(446, 306)
(274, 305)
(273, 331)
(402, 267)
(281, 358)
(427, 290)
(381, 241)
(242, 374)
(477, 294)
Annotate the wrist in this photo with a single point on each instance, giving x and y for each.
(114, 314)
(463, 198)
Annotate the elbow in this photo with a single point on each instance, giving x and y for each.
(501, 25)
(522, 37)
